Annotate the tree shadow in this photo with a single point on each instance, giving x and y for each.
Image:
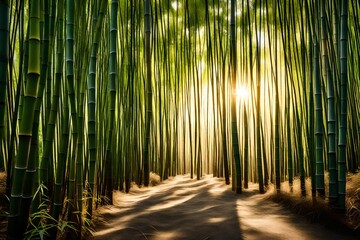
(204, 209)
(188, 210)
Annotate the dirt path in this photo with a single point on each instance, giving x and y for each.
(182, 208)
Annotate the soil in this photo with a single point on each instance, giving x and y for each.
(184, 208)
(3, 206)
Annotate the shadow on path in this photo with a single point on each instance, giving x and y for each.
(183, 208)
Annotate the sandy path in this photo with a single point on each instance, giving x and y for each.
(182, 208)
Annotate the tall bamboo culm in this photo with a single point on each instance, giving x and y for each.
(265, 91)
(4, 61)
(25, 131)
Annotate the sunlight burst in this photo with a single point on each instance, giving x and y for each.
(175, 5)
(242, 92)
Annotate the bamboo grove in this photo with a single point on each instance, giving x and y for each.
(95, 95)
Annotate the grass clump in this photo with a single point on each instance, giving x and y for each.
(353, 200)
(318, 209)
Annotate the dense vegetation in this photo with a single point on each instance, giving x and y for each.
(97, 94)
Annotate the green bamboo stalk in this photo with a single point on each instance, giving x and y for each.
(4, 59)
(45, 76)
(343, 102)
(235, 140)
(148, 101)
(75, 172)
(311, 140)
(277, 108)
(120, 100)
(354, 66)
(290, 160)
(246, 149)
(91, 104)
(31, 171)
(130, 92)
(22, 69)
(26, 63)
(318, 115)
(50, 129)
(302, 113)
(258, 116)
(300, 153)
(331, 118)
(51, 70)
(224, 137)
(25, 131)
(112, 72)
(81, 64)
(58, 198)
(197, 97)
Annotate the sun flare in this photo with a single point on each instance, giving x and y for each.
(242, 92)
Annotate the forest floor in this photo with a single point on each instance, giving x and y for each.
(184, 208)
(3, 204)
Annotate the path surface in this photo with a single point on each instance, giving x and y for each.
(182, 208)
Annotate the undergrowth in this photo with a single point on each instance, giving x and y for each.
(318, 209)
